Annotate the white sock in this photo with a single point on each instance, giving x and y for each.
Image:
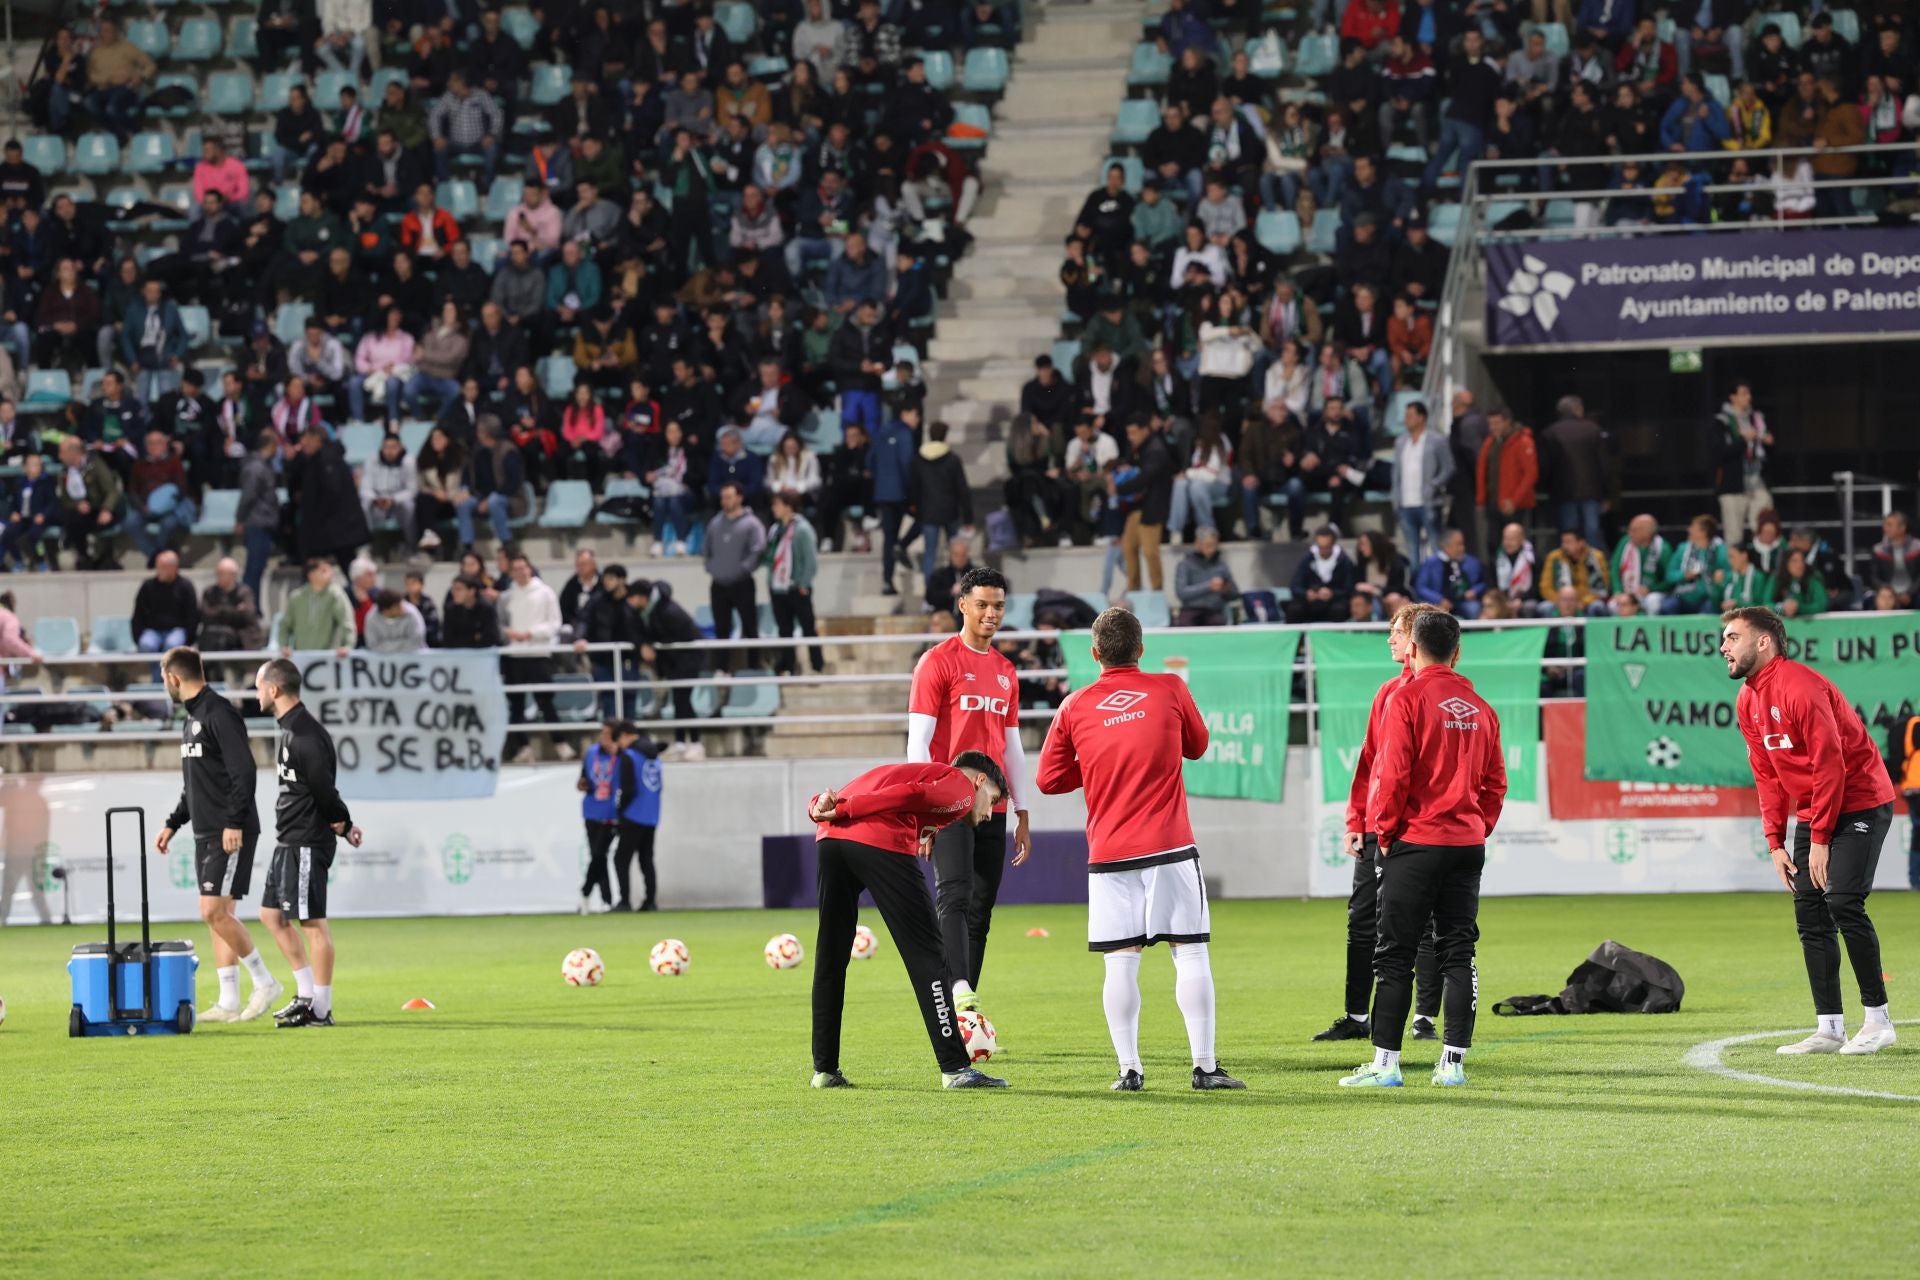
(1386, 1059)
(1877, 1014)
(1193, 992)
(323, 1000)
(1450, 1054)
(1356, 1017)
(257, 968)
(229, 987)
(1834, 1024)
(962, 988)
(303, 983)
(1121, 996)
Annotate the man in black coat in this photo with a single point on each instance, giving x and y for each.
(1573, 468)
(329, 522)
(1106, 218)
(657, 619)
(1144, 489)
(494, 352)
(942, 500)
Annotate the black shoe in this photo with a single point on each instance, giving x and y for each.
(298, 1006)
(316, 1020)
(648, 905)
(831, 1080)
(623, 905)
(1129, 1082)
(971, 1078)
(1423, 1029)
(1215, 1079)
(1345, 1028)
(889, 590)
(298, 1014)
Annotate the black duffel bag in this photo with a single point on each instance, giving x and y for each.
(1614, 979)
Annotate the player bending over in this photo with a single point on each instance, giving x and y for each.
(966, 697)
(869, 834)
(1812, 757)
(307, 817)
(216, 798)
(1122, 738)
(1439, 782)
(1363, 846)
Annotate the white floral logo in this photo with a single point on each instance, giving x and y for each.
(1535, 291)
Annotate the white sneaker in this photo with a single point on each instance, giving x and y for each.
(563, 750)
(583, 906)
(217, 1013)
(674, 751)
(679, 548)
(1871, 1038)
(658, 549)
(523, 756)
(1818, 1042)
(261, 1000)
(429, 540)
(695, 752)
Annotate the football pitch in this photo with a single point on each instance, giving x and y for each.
(663, 1126)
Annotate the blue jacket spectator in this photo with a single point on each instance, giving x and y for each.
(142, 349)
(1695, 122)
(1451, 578)
(850, 280)
(733, 464)
(1183, 28)
(891, 461)
(1615, 17)
(583, 279)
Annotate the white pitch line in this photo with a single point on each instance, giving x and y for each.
(1707, 1058)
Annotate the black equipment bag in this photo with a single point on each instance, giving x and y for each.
(1614, 979)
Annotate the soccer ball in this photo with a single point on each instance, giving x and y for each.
(1663, 753)
(865, 945)
(978, 1033)
(784, 951)
(3, 1012)
(669, 957)
(582, 968)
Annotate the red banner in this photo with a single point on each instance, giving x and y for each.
(1570, 795)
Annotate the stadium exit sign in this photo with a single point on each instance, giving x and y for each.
(1683, 360)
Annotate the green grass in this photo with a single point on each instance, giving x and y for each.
(663, 1126)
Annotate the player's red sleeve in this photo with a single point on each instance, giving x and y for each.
(1827, 758)
(1493, 779)
(1386, 809)
(1193, 726)
(927, 697)
(1773, 800)
(1363, 770)
(1059, 770)
(938, 799)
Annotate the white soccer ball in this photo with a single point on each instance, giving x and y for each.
(582, 968)
(784, 951)
(669, 957)
(1663, 753)
(982, 1044)
(3, 1012)
(865, 945)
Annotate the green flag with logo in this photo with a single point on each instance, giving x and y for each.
(1660, 707)
(1242, 681)
(1504, 665)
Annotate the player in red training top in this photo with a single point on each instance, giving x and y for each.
(1439, 782)
(1364, 848)
(1122, 738)
(869, 833)
(1812, 758)
(966, 697)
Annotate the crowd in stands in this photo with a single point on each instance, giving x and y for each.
(465, 254)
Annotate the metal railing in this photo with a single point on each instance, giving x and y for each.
(621, 688)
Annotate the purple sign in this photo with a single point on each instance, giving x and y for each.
(1661, 290)
(1057, 871)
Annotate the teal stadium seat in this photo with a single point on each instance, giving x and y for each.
(1846, 25)
(755, 701)
(149, 153)
(556, 376)
(377, 85)
(327, 86)
(1138, 118)
(198, 40)
(485, 250)
(985, 71)
(1326, 227)
(229, 93)
(361, 440)
(1151, 608)
(48, 390)
(620, 487)
(569, 505)
(199, 326)
(1787, 21)
(176, 80)
(45, 152)
(737, 19)
(502, 196)
(459, 198)
(243, 39)
(150, 36)
(1150, 67)
(274, 88)
(939, 64)
(1278, 231)
(219, 512)
(548, 84)
(1317, 56)
(520, 23)
(971, 113)
(96, 153)
(111, 634)
(57, 637)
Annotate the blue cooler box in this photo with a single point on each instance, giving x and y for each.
(98, 1011)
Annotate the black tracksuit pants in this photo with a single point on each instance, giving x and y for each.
(967, 865)
(899, 891)
(599, 841)
(1842, 908)
(636, 841)
(1363, 938)
(1422, 887)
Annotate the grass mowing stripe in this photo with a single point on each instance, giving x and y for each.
(1707, 1057)
(907, 1206)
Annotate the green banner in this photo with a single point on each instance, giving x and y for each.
(1504, 665)
(1242, 682)
(1660, 705)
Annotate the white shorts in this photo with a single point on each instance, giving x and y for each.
(1137, 906)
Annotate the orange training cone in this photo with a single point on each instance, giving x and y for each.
(418, 1003)
(1037, 932)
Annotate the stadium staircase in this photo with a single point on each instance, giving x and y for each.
(1050, 132)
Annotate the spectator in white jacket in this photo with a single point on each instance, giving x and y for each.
(529, 616)
(1288, 381)
(388, 486)
(1197, 250)
(343, 38)
(794, 471)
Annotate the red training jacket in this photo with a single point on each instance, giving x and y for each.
(1809, 751)
(887, 807)
(1440, 776)
(1360, 792)
(1123, 738)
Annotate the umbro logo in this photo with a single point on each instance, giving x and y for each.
(207, 885)
(1120, 700)
(1860, 826)
(967, 676)
(1459, 708)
